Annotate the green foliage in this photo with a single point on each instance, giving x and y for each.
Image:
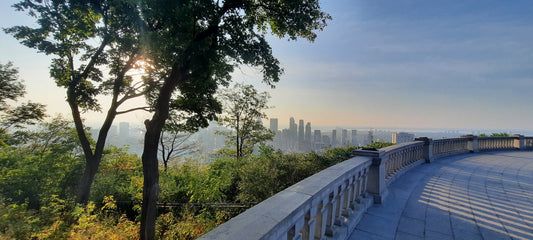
(188, 226)
(17, 221)
(119, 174)
(378, 145)
(243, 112)
(11, 88)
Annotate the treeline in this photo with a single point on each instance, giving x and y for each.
(40, 169)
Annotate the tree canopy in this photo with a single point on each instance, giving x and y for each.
(11, 89)
(243, 112)
(94, 45)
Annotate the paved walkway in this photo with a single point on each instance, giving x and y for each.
(472, 196)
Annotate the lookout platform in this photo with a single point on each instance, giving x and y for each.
(471, 196)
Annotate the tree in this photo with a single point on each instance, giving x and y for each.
(174, 144)
(243, 110)
(86, 38)
(194, 46)
(11, 89)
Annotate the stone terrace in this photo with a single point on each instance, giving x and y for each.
(472, 196)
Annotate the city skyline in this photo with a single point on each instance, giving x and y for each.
(410, 64)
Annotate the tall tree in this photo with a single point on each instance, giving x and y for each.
(11, 89)
(86, 38)
(194, 46)
(243, 110)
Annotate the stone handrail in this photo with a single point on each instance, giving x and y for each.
(330, 203)
(450, 146)
(496, 143)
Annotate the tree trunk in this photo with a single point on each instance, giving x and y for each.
(151, 178)
(84, 189)
(149, 156)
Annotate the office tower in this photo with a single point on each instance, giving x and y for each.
(369, 137)
(285, 139)
(317, 140)
(301, 133)
(354, 138)
(402, 137)
(318, 136)
(293, 131)
(325, 140)
(344, 137)
(274, 125)
(308, 132)
(334, 137)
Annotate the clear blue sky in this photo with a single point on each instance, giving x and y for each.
(440, 64)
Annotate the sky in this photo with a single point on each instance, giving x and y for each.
(403, 63)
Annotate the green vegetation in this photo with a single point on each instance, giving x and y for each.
(243, 113)
(189, 48)
(39, 173)
(494, 135)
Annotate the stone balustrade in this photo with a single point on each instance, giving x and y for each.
(329, 204)
(450, 146)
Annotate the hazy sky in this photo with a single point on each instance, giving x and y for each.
(440, 64)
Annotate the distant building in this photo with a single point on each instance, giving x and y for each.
(274, 125)
(326, 140)
(334, 137)
(402, 137)
(369, 138)
(317, 141)
(301, 134)
(293, 132)
(354, 138)
(308, 132)
(344, 139)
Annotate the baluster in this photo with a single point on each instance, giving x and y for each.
(352, 191)
(338, 206)
(364, 180)
(330, 208)
(309, 223)
(320, 221)
(346, 199)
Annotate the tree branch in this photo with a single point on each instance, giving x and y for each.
(134, 109)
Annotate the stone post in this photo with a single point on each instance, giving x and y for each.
(376, 184)
(473, 145)
(428, 148)
(519, 142)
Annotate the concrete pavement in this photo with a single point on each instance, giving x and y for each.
(471, 196)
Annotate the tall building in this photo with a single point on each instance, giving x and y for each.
(402, 137)
(369, 137)
(274, 125)
(317, 140)
(308, 132)
(344, 137)
(354, 138)
(124, 130)
(293, 131)
(334, 137)
(301, 134)
(318, 136)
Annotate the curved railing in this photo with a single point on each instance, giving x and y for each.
(450, 146)
(330, 203)
(319, 206)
